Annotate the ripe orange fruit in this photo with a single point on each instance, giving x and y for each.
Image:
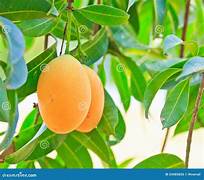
(64, 94)
(97, 102)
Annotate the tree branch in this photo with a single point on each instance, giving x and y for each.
(46, 41)
(188, 2)
(193, 121)
(165, 140)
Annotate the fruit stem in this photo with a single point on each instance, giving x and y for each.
(193, 121)
(77, 31)
(188, 2)
(69, 24)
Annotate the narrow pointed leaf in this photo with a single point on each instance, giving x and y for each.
(176, 104)
(104, 15)
(155, 84)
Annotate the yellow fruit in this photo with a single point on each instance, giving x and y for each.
(64, 94)
(97, 103)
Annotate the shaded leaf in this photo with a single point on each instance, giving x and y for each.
(134, 19)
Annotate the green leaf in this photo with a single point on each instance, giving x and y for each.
(25, 165)
(109, 119)
(184, 123)
(13, 119)
(120, 131)
(93, 49)
(104, 15)
(35, 68)
(134, 17)
(16, 67)
(38, 27)
(161, 161)
(170, 42)
(74, 154)
(47, 162)
(155, 84)
(121, 4)
(192, 66)
(47, 142)
(102, 73)
(126, 39)
(126, 163)
(17, 10)
(121, 81)
(176, 104)
(160, 10)
(138, 82)
(95, 142)
(30, 120)
(4, 111)
(24, 152)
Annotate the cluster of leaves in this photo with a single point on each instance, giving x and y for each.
(128, 37)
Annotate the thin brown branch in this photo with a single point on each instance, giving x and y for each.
(96, 26)
(35, 105)
(63, 39)
(46, 41)
(9, 150)
(165, 140)
(69, 7)
(188, 2)
(193, 121)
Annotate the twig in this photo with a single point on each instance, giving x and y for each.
(46, 41)
(188, 2)
(69, 8)
(96, 26)
(63, 39)
(193, 121)
(165, 140)
(35, 105)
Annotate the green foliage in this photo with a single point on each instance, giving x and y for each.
(161, 161)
